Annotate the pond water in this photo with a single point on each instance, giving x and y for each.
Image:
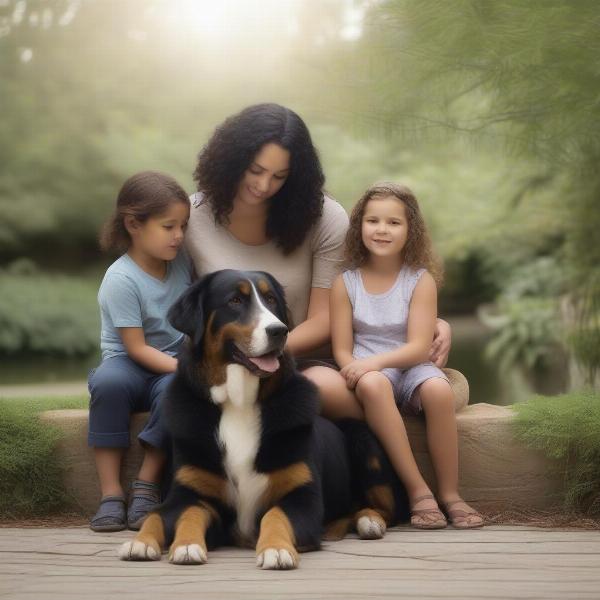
(469, 339)
(486, 382)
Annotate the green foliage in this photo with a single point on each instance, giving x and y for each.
(585, 333)
(506, 75)
(489, 110)
(586, 346)
(30, 476)
(528, 334)
(566, 428)
(121, 87)
(527, 320)
(47, 314)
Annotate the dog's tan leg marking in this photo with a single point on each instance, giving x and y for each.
(189, 545)
(381, 498)
(276, 547)
(203, 482)
(148, 543)
(370, 525)
(337, 530)
(283, 481)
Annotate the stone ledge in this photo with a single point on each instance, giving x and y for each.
(497, 472)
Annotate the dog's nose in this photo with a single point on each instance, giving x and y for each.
(276, 331)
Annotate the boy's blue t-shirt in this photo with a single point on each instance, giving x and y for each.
(130, 297)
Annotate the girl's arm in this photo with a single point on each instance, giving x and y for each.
(422, 316)
(148, 357)
(314, 332)
(340, 311)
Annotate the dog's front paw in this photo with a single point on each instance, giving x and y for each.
(188, 554)
(136, 550)
(370, 527)
(272, 558)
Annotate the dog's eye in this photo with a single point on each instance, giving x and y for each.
(270, 299)
(235, 301)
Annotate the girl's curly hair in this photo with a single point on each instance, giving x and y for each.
(417, 252)
(296, 207)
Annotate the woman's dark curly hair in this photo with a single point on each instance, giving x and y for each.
(417, 252)
(296, 207)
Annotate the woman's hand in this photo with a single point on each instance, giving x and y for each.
(440, 347)
(353, 371)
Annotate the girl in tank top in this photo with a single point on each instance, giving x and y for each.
(383, 314)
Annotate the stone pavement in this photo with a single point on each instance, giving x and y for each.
(35, 390)
(498, 562)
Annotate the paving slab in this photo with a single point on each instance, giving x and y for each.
(497, 562)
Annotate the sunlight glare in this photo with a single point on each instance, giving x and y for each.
(232, 19)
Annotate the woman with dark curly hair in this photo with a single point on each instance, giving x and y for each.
(260, 205)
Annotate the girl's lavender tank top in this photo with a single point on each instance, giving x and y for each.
(379, 321)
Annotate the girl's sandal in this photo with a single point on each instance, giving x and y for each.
(421, 513)
(459, 518)
(111, 515)
(145, 496)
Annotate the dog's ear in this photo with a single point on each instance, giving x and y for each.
(282, 308)
(187, 313)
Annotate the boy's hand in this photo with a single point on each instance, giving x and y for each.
(353, 371)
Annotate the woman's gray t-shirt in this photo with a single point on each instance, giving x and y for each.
(314, 264)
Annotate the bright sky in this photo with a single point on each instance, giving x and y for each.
(229, 19)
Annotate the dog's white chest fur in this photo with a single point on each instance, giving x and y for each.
(239, 435)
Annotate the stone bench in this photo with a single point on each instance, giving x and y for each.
(497, 472)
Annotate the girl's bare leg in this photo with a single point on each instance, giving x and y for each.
(373, 401)
(374, 391)
(437, 400)
(337, 401)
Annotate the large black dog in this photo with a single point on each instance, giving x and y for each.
(253, 462)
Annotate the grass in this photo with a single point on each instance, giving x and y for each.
(567, 429)
(30, 476)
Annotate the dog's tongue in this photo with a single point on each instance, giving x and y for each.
(267, 362)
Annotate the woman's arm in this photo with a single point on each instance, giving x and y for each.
(148, 357)
(442, 340)
(327, 246)
(314, 332)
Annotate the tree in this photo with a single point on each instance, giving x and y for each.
(520, 74)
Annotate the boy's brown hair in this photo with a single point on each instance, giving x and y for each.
(143, 195)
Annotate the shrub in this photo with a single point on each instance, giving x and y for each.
(30, 477)
(47, 314)
(567, 428)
